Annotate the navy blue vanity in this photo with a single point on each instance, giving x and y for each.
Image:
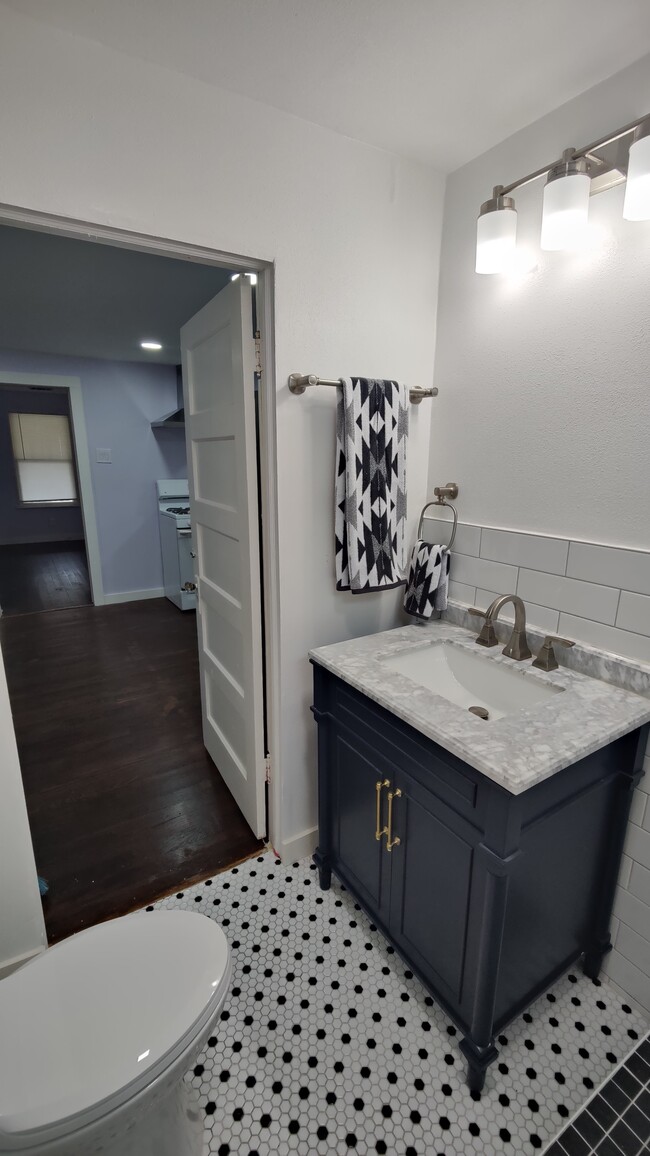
(488, 895)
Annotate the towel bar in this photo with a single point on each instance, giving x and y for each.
(298, 383)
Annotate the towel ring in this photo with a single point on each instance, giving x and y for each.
(441, 500)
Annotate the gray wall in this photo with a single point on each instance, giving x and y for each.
(120, 400)
(22, 523)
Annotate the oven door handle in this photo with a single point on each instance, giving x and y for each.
(184, 533)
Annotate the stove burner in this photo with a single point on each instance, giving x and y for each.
(178, 509)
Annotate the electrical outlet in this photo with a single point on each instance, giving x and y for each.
(104, 456)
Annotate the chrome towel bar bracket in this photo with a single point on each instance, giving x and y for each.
(298, 383)
(443, 493)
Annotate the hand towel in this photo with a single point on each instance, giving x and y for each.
(371, 444)
(428, 580)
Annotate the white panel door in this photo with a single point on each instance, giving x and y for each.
(218, 355)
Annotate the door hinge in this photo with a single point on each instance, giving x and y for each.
(267, 769)
(258, 353)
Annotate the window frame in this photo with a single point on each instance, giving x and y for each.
(45, 503)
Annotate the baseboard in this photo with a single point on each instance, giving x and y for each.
(10, 965)
(299, 846)
(133, 595)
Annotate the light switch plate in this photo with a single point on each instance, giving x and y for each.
(104, 456)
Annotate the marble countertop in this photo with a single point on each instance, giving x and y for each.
(516, 751)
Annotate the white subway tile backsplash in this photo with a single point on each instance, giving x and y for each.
(539, 616)
(638, 808)
(639, 882)
(570, 595)
(628, 978)
(627, 569)
(634, 612)
(613, 929)
(634, 947)
(481, 572)
(625, 871)
(633, 912)
(531, 550)
(468, 538)
(610, 638)
(462, 593)
(637, 846)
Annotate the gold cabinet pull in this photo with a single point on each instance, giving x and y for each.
(379, 830)
(390, 842)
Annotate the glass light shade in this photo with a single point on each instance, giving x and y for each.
(566, 211)
(636, 206)
(496, 237)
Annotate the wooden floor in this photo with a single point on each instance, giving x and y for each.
(124, 803)
(43, 576)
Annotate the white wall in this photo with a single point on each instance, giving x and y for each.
(543, 421)
(544, 404)
(22, 930)
(354, 233)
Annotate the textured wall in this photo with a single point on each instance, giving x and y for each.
(544, 404)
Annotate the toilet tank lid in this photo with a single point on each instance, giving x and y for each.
(86, 1022)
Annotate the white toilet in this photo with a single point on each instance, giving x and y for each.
(97, 1033)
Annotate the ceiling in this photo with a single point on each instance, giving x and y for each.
(437, 80)
(85, 299)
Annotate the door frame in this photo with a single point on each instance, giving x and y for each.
(19, 217)
(82, 456)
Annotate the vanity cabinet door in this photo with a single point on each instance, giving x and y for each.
(431, 878)
(355, 848)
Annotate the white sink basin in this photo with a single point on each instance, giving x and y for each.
(471, 679)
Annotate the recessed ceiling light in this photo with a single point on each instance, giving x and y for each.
(150, 345)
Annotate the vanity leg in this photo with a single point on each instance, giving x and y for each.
(324, 869)
(593, 958)
(478, 1062)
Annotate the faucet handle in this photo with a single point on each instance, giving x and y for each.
(546, 659)
(488, 636)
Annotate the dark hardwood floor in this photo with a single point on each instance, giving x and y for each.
(124, 802)
(43, 576)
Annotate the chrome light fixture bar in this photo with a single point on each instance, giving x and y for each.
(570, 181)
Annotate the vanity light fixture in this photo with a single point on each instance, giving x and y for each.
(637, 190)
(580, 173)
(566, 204)
(496, 233)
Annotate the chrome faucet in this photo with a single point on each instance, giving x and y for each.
(517, 647)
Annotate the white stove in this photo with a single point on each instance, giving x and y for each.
(178, 554)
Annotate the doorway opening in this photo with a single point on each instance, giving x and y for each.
(116, 700)
(43, 561)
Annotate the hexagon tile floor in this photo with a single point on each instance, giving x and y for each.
(327, 1042)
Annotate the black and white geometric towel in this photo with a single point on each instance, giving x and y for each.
(428, 580)
(370, 524)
